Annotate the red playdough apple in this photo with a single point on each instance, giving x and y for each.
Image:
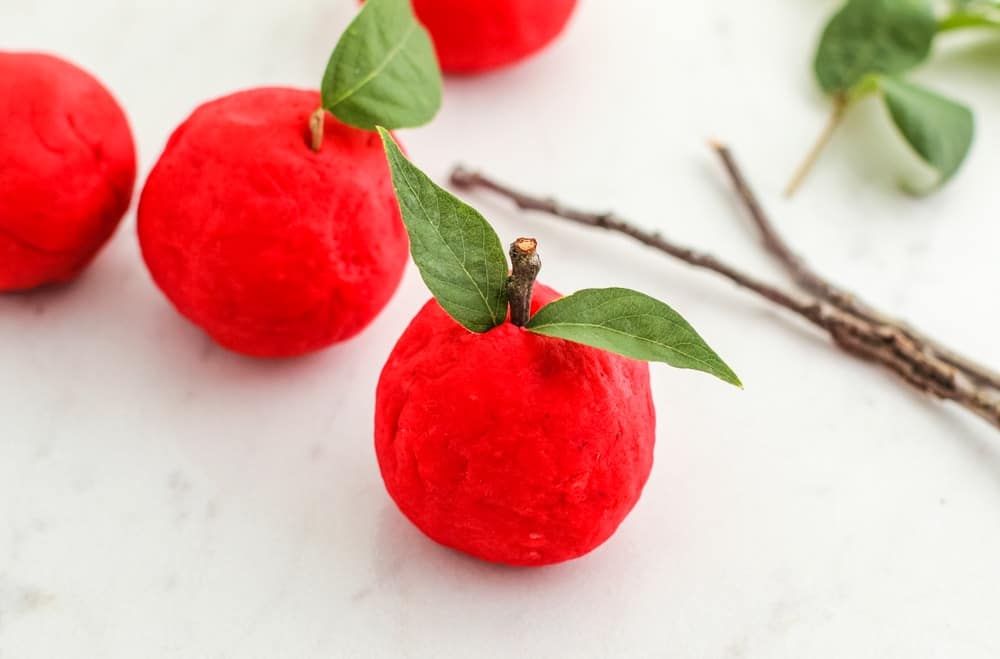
(514, 447)
(478, 35)
(67, 168)
(273, 249)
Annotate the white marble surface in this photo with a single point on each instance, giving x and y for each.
(162, 498)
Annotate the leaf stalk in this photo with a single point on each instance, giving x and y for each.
(840, 104)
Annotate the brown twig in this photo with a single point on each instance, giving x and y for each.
(462, 178)
(888, 344)
(525, 266)
(812, 282)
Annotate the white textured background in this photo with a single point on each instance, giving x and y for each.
(162, 498)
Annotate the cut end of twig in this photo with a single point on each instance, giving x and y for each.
(316, 128)
(525, 246)
(716, 144)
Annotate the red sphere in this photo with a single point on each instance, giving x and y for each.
(474, 36)
(67, 168)
(511, 446)
(273, 249)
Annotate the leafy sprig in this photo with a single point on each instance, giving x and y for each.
(461, 260)
(869, 47)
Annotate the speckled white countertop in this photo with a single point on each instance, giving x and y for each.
(162, 498)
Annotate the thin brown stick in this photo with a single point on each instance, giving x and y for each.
(822, 288)
(462, 178)
(876, 342)
(525, 266)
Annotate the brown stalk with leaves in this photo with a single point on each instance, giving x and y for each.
(853, 325)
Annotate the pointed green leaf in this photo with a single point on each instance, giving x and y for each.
(631, 324)
(873, 36)
(383, 71)
(939, 130)
(456, 250)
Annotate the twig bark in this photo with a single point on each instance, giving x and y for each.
(853, 326)
(462, 178)
(810, 281)
(525, 267)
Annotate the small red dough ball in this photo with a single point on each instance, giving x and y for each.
(478, 36)
(471, 36)
(273, 249)
(511, 446)
(67, 168)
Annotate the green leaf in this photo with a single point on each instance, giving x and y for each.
(939, 130)
(456, 250)
(631, 324)
(383, 71)
(873, 36)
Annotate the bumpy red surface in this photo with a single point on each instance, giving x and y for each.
(510, 446)
(67, 168)
(273, 249)
(473, 36)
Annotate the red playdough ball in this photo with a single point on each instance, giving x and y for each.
(478, 35)
(67, 168)
(511, 446)
(273, 249)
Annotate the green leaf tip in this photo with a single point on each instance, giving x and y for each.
(457, 252)
(383, 70)
(632, 324)
(939, 130)
(873, 36)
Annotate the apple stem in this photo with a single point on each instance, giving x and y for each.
(316, 120)
(525, 266)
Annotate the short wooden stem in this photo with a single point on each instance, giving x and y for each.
(525, 265)
(316, 120)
